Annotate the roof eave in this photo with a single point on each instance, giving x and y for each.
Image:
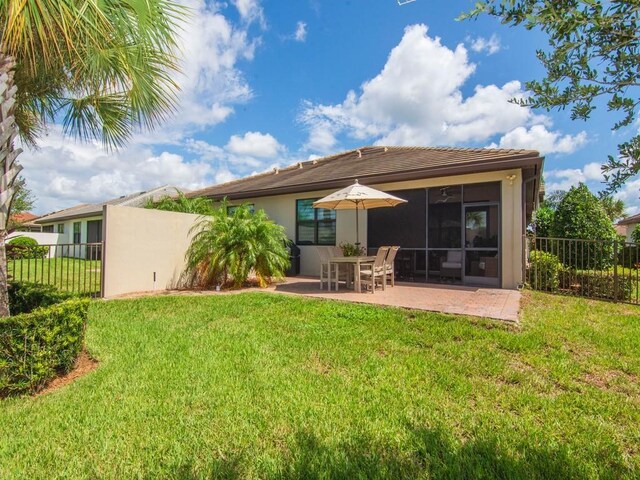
(407, 175)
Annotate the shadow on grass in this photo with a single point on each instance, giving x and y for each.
(429, 453)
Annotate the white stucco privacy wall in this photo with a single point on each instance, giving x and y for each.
(43, 238)
(139, 243)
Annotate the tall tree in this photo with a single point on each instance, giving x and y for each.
(104, 68)
(594, 54)
(613, 206)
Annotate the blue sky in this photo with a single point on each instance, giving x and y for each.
(270, 83)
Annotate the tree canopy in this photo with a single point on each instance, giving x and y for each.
(593, 55)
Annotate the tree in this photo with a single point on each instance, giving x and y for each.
(593, 55)
(23, 200)
(581, 216)
(635, 234)
(613, 207)
(543, 221)
(232, 245)
(104, 68)
(184, 204)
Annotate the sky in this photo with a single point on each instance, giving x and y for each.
(269, 83)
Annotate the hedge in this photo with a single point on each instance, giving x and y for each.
(596, 284)
(25, 247)
(543, 271)
(36, 347)
(26, 296)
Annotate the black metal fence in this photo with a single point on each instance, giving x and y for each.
(603, 269)
(74, 267)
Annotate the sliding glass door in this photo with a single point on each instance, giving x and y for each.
(482, 234)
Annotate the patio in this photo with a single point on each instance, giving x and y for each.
(500, 304)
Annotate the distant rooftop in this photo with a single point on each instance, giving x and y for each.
(137, 199)
(630, 220)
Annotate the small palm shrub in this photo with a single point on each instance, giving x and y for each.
(229, 247)
(182, 203)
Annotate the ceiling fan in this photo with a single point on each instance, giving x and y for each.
(445, 195)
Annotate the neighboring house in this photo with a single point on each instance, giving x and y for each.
(627, 225)
(23, 222)
(464, 221)
(83, 223)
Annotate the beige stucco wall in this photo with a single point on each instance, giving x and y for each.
(281, 208)
(139, 242)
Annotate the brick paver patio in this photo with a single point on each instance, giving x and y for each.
(481, 302)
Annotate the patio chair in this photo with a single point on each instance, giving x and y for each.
(375, 271)
(452, 266)
(389, 262)
(325, 254)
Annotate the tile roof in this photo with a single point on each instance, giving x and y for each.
(373, 165)
(630, 220)
(137, 199)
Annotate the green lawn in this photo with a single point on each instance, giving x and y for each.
(259, 385)
(68, 274)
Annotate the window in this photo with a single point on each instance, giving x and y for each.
(231, 209)
(314, 226)
(61, 228)
(48, 228)
(76, 232)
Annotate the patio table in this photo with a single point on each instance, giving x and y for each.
(357, 262)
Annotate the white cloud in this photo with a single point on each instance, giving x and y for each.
(564, 179)
(300, 34)
(63, 173)
(250, 11)
(211, 84)
(539, 138)
(255, 144)
(630, 195)
(489, 45)
(417, 99)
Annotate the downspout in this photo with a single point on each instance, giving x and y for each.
(523, 248)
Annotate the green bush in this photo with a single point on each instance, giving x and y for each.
(25, 297)
(36, 347)
(629, 256)
(596, 284)
(635, 234)
(581, 216)
(543, 271)
(25, 247)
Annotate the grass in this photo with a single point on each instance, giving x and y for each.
(68, 274)
(265, 386)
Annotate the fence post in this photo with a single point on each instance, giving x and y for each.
(615, 269)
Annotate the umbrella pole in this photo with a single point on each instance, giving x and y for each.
(357, 227)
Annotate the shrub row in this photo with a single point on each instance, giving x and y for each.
(596, 284)
(546, 273)
(25, 296)
(36, 347)
(25, 247)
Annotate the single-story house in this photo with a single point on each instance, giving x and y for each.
(463, 223)
(627, 225)
(83, 223)
(23, 222)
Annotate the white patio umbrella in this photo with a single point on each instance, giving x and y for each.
(357, 197)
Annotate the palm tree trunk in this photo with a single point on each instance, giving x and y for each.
(9, 169)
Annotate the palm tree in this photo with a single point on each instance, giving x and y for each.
(232, 245)
(182, 203)
(104, 68)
